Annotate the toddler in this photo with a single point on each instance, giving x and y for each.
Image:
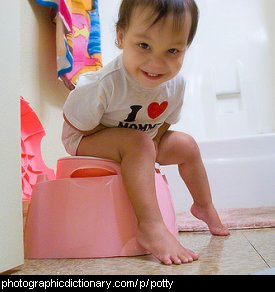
(123, 112)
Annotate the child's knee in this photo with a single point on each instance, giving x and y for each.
(139, 142)
(190, 146)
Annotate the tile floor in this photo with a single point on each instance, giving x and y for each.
(244, 252)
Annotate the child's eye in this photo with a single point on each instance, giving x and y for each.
(173, 51)
(144, 46)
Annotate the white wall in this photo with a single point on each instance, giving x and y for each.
(11, 231)
(39, 84)
(108, 15)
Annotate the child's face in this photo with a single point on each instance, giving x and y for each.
(153, 55)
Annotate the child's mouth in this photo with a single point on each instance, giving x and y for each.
(151, 76)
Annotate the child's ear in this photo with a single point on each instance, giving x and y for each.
(119, 37)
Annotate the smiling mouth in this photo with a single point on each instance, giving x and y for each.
(151, 76)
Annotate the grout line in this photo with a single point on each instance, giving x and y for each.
(256, 251)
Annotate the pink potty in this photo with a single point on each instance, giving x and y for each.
(86, 213)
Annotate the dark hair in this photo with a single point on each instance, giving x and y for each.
(161, 9)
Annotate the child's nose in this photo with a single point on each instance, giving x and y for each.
(156, 62)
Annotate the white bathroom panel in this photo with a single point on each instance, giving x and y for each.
(230, 84)
(232, 55)
(240, 171)
(230, 103)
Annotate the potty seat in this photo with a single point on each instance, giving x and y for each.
(84, 211)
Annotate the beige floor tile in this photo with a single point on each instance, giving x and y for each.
(226, 255)
(263, 240)
(218, 255)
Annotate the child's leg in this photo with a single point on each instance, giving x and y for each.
(179, 148)
(136, 153)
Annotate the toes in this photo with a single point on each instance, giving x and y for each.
(220, 232)
(226, 232)
(194, 255)
(166, 260)
(185, 258)
(176, 260)
(178, 257)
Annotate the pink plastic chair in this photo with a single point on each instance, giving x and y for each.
(86, 213)
(32, 164)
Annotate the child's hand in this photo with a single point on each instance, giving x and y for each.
(67, 82)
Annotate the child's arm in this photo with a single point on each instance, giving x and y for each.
(86, 133)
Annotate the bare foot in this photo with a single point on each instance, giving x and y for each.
(156, 239)
(210, 216)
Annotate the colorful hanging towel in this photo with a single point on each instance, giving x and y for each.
(77, 37)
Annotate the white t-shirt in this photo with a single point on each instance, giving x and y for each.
(113, 98)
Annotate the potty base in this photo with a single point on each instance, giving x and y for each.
(88, 217)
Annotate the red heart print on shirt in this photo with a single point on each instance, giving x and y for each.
(155, 109)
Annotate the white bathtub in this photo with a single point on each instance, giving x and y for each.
(241, 173)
